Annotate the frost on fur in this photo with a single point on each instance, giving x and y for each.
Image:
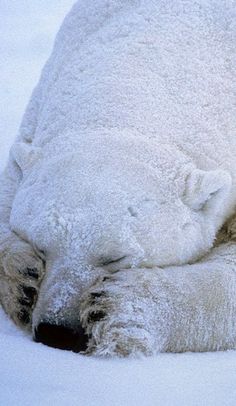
(146, 311)
(124, 168)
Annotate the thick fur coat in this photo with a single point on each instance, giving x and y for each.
(122, 175)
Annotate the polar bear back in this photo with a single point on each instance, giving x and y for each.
(163, 69)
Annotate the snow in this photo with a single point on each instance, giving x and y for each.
(34, 374)
(27, 33)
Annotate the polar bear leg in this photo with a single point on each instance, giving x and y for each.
(117, 313)
(21, 269)
(177, 309)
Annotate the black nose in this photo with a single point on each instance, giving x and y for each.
(62, 337)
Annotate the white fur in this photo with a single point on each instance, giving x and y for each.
(126, 154)
(188, 308)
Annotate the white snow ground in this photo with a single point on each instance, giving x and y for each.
(32, 374)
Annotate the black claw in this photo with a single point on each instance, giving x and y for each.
(96, 295)
(106, 278)
(30, 272)
(24, 301)
(28, 295)
(96, 316)
(33, 272)
(23, 316)
(29, 291)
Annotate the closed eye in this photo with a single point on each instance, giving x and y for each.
(108, 261)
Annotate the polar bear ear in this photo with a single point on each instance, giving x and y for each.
(207, 189)
(25, 155)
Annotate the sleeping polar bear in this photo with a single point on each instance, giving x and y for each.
(120, 179)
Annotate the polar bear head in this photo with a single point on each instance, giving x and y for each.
(146, 203)
(113, 204)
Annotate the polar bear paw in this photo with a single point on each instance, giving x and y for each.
(21, 273)
(115, 319)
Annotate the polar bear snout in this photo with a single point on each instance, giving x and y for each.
(62, 337)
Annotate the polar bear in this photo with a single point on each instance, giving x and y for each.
(121, 176)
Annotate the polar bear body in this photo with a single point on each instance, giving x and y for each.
(167, 71)
(154, 82)
(126, 153)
